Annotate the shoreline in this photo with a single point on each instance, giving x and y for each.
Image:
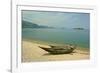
(50, 43)
(32, 53)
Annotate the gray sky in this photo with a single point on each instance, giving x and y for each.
(57, 19)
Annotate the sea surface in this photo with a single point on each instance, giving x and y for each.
(60, 36)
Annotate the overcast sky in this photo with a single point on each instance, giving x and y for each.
(57, 19)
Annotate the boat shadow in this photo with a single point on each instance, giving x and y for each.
(49, 54)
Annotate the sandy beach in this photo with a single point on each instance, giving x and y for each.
(32, 53)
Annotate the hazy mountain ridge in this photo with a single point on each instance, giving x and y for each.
(26, 24)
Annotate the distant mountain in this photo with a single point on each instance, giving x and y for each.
(26, 24)
(78, 28)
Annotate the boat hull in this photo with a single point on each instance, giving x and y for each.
(58, 50)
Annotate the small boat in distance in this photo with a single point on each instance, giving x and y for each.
(59, 49)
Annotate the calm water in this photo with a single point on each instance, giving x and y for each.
(61, 36)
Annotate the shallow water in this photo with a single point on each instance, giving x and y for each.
(60, 36)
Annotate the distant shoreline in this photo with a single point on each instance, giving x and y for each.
(32, 53)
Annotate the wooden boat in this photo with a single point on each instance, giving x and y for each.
(59, 49)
